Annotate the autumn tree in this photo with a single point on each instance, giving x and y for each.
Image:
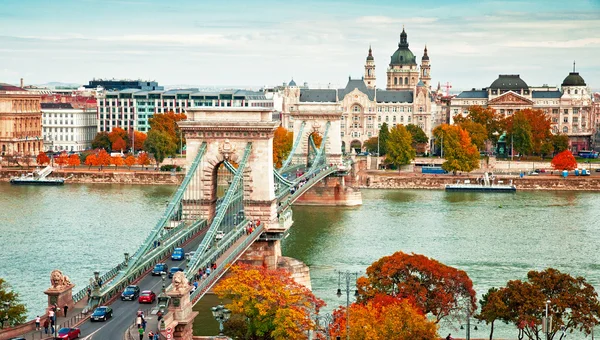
(487, 117)
(117, 161)
(283, 141)
(120, 137)
(477, 132)
(160, 145)
(399, 146)
(143, 160)
(16, 312)
(419, 138)
(493, 308)
(384, 135)
(167, 123)
(42, 158)
(139, 139)
(316, 137)
(434, 287)
(560, 142)
(103, 158)
(130, 161)
(273, 305)
(74, 160)
(119, 144)
(564, 161)
(91, 160)
(370, 144)
(381, 318)
(101, 141)
(62, 159)
(459, 151)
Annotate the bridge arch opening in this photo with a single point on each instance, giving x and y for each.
(356, 146)
(222, 178)
(314, 143)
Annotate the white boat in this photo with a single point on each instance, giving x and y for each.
(39, 177)
(486, 183)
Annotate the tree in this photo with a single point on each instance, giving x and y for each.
(316, 137)
(487, 117)
(399, 146)
(492, 309)
(143, 160)
(560, 142)
(101, 141)
(139, 139)
(16, 312)
(383, 318)
(119, 144)
(540, 125)
(564, 161)
(434, 287)
(91, 160)
(384, 134)
(103, 158)
(371, 144)
(167, 123)
(419, 138)
(42, 158)
(74, 160)
(519, 133)
(283, 141)
(459, 151)
(116, 161)
(62, 159)
(130, 161)
(477, 132)
(159, 144)
(272, 303)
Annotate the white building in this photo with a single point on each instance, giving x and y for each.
(68, 126)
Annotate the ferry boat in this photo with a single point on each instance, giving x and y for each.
(39, 177)
(485, 184)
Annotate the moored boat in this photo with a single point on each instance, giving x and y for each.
(39, 177)
(485, 184)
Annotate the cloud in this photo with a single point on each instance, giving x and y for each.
(385, 20)
(576, 43)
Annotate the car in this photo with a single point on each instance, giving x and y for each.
(533, 173)
(159, 269)
(102, 313)
(219, 235)
(597, 170)
(147, 296)
(130, 293)
(178, 254)
(69, 333)
(173, 271)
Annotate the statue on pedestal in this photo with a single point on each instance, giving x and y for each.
(58, 280)
(180, 282)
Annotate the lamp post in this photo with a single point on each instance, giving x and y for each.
(164, 286)
(126, 259)
(5, 308)
(327, 320)
(221, 314)
(547, 321)
(348, 276)
(467, 326)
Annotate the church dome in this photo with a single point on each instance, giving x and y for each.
(292, 83)
(573, 79)
(509, 82)
(403, 55)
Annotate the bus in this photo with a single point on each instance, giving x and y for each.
(588, 154)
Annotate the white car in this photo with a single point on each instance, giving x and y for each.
(219, 236)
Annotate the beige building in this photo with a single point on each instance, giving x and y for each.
(569, 107)
(20, 122)
(406, 100)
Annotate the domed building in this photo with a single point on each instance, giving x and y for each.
(569, 107)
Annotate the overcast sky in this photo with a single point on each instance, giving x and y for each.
(255, 43)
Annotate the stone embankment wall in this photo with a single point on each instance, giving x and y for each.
(106, 176)
(394, 180)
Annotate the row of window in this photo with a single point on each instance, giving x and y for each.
(69, 122)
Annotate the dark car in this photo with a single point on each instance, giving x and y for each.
(178, 254)
(173, 271)
(102, 313)
(69, 333)
(147, 296)
(130, 293)
(160, 268)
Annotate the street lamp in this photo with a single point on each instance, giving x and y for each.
(327, 320)
(126, 259)
(547, 321)
(467, 326)
(164, 286)
(348, 276)
(221, 314)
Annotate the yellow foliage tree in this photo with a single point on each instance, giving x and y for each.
(283, 141)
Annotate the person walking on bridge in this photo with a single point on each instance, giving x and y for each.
(141, 332)
(46, 325)
(150, 335)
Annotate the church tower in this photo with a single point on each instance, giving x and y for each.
(403, 71)
(425, 69)
(370, 70)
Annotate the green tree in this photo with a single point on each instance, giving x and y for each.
(399, 146)
(477, 132)
(101, 141)
(519, 133)
(384, 134)
(16, 312)
(560, 142)
(371, 144)
(492, 309)
(459, 151)
(160, 144)
(419, 138)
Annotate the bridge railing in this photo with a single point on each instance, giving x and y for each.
(291, 198)
(109, 275)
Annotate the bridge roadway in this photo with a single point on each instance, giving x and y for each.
(125, 312)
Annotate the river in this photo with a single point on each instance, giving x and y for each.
(493, 237)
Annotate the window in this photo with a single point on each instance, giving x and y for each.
(379, 118)
(575, 91)
(394, 119)
(420, 109)
(387, 118)
(565, 119)
(370, 118)
(369, 126)
(343, 126)
(575, 120)
(394, 109)
(402, 118)
(402, 109)
(575, 110)
(420, 118)
(554, 120)
(575, 129)
(355, 118)
(379, 109)
(566, 111)
(356, 108)
(342, 134)
(555, 111)
(387, 109)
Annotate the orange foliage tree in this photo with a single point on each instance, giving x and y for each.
(103, 158)
(283, 141)
(130, 161)
(460, 152)
(564, 161)
(139, 140)
(62, 159)
(116, 134)
(381, 318)
(317, 138)
(119, 144)
(117, 161)
(491, 121)
(74, 160)
(167, 123)
(273, 305)
(434, 287)
(42, 158)
(91, 160)
(143, 159)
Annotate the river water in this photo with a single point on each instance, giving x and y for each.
(493, 237)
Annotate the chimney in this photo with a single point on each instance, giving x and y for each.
(21, 82)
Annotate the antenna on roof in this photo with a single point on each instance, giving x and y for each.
(573, 65)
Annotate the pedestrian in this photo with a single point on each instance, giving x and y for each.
(141, 332)
(144, 324)
(37, 323)
(46, 325)
(89, 292)
(449, 337)
(138, 321)
(150, 335)
(156, 336)
(51, 316)
(65, 308)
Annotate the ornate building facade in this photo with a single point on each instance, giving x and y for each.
(569, 107)
(20, 122)
(407, 98)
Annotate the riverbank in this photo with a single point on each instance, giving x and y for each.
(107, 176)
(380, 179)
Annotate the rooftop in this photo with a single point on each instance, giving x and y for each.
(10, 88)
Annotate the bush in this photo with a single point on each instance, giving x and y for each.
(170, 167)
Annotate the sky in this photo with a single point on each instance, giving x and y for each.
(321, 42)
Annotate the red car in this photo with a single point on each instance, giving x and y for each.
(69, 333)
(147, 296)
